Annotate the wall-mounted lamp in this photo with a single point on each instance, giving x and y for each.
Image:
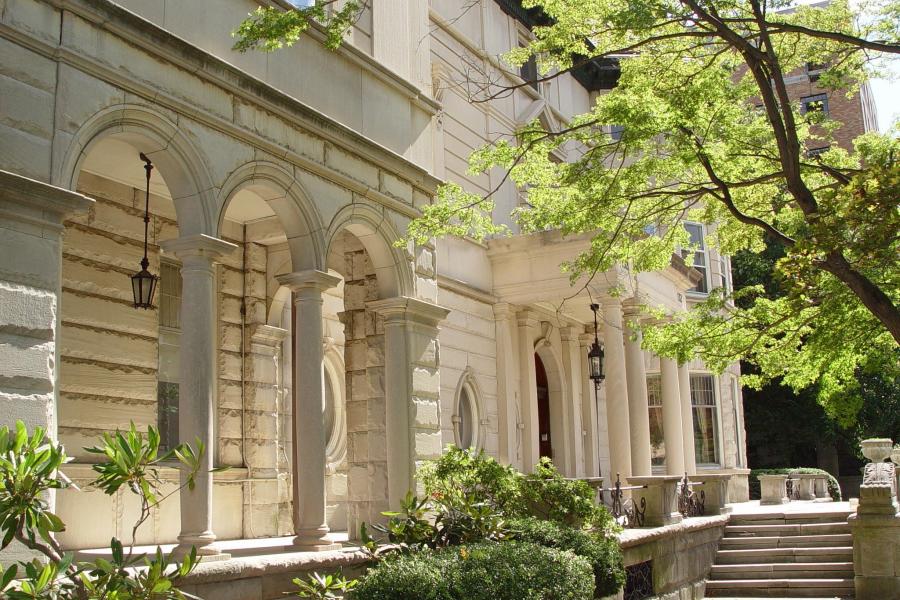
(595, 354)
(143, 283)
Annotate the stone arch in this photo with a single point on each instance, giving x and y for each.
(178, 161)
(376, 233)
(556, 381)
(297, 215)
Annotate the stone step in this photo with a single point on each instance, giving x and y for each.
(781, 518)
(786, 530)
(791, 541)
(768, 588)
(797, 570)
(784, 555)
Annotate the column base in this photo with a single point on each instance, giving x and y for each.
(203, 543)
(313, 540)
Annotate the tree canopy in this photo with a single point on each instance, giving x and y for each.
(710, 134)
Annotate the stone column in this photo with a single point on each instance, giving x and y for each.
(687, 420)
(412, 386)
(589, 408)
(531, 450)
(31, 229)
(638, 410)
(308, 460)
(573, 428)
(197, 388)
(671, 409)
(617, 409)
(507, 385)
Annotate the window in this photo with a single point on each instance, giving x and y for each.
(695, 231)
(466, 415)
(168, 373)
(814, 70)
(529, 71)
(725, 273)
(657, 439)
(706, 422)
(816, 103)
(616, 131)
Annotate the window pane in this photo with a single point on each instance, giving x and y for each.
(167, 413)
(464, 413)
(695, 232)
(657, 439)
(706, 429)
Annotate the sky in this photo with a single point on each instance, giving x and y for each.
(887, 97)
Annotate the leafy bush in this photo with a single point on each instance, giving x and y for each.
(323, 587)
(460, 474)
(603, 553)
(519, 571)
(488, 571)
(29, 471)
(418, 575)
(551, 496)
(834, 488)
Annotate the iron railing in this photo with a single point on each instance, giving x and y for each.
(691, 503)
(625, 511)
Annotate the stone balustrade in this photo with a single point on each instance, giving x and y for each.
(715, 487)
(773, 489)
(660, 494)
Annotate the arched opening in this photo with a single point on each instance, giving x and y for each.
(119, 365)
(467, 414)
(552, 437)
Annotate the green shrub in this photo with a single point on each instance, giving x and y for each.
(834, 488)
(415, 576)
(519, 571)
(602, 552)
(459, 474)
(549, 495)
(488, 571)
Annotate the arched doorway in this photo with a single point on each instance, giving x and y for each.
(545, 434)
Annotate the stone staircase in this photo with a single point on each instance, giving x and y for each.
(784, 555)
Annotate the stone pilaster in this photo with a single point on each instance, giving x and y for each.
(876, 535)
(411, 386)
(507, 385)
(31, 227)
(527, 324)
(589, 410)
(198, 255)
(573, 428)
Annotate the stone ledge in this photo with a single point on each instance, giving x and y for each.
(635, 537)
(267, 565)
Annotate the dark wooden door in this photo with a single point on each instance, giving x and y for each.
(543, 401)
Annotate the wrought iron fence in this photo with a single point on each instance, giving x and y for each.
(691, 503)
(639, 581)
(625, 511)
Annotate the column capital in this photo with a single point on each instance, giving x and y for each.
(570, 333)
(311, 279)
(200, 245)
(503, 310)
(631, 306)
(409, 309)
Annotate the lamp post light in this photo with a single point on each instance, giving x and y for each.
(595, 355)
(143, 283)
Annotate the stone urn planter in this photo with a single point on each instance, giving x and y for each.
(877, 449)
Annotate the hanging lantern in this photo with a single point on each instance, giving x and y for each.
(595, 354)
(143, 283)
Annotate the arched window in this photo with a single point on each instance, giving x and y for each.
(467, 414)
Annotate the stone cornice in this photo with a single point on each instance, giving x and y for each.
(38, 203)
(412, 309)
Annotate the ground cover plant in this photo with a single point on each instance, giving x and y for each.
(30, 470)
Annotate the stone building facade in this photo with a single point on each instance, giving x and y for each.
(310, 353)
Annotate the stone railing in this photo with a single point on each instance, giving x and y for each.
(780, 489)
